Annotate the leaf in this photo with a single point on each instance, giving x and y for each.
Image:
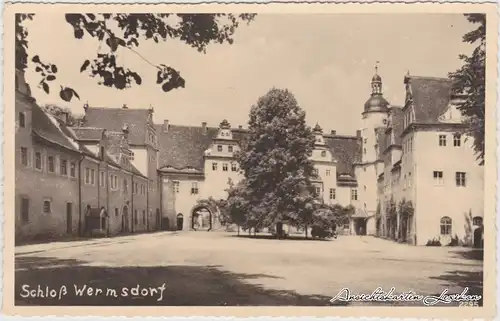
(45, 87)
(66, 94)
(84, 66)
(78, 33)
(36, 59)
(137, 78)
(51, 78)
(54, 69)
(75, 93)
(38, 69)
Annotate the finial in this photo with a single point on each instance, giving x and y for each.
(376, 66)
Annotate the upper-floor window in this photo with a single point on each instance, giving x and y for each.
(409, 179)
(457, 140)
(64, 167)
(230, 149)
(354, 194)
(38, 160)
(24, 156)
(194, 188)
(315, 172)
(318, 190)
(125, 185)
(323, 153)
(176, 186)
(51, 164)
(327, 172)
(22, 120)
(102, 178)
(224, 167)
(87, 175)
(214, 166)
(442, 140)
(438, 178)
(333, 193)
(72, 169)
(233, 167)
(477, 220)
(219, 148)
(460, 178)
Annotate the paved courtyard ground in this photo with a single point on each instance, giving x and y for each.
(214, 268)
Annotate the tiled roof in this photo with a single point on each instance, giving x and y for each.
(48, 127)
(115, 118)
(184, 146)
(397, 117)
(346, 150)
(88, 133)
(430, 97)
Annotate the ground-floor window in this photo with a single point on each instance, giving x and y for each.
(445, 225)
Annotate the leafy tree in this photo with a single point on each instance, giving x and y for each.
(128, 31)
(469, 83)
(57, 111)
(236, 206)
(274, 159)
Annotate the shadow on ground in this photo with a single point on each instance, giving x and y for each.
(463, 279)
(288, 238)
(185, 285)
(472, 254)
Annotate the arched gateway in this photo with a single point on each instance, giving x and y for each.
(202, 216)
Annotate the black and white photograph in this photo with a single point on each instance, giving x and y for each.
(251, 158)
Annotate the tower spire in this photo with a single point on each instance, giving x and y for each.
(376, 67)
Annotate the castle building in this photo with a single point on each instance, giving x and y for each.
(410, 172)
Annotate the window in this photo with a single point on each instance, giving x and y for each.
(194, 188)
(327, 172)
(438, 178)
(131, 156)
(409, 179)
(230, 149)
(176, 186)
(233, 167)
(125, 185)
(460, 178)
(323, 153)
(22, 120)
(102, 152)
(442, 140)
(477, 220)
(72, 169)
(318, 190)
(24, 156)
(87, 175)
(135, 188)
(224, 167)
(445, 225)
(333, 193)
(102, 178)
(354, 194)
(25, 209)
(92, 176)
(64, 167)
(38, 160)
(143, 217)
(115, 181)
(364, 150)
(219, 148)
(315, 172)
(143, 189)
(47, 207)
(457, 140)
(214, 166)
(405, 182)
(135, 217)
(50, 164)
(116, 211)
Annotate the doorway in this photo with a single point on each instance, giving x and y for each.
(360, 226)
(125, 219)
(180, 221)
(69, 218)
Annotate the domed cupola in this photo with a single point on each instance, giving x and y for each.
(376, 102)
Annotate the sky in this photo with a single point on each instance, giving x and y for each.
(325, 60)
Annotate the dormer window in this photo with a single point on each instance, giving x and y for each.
(219, 148)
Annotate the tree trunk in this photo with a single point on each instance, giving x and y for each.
(306, 230)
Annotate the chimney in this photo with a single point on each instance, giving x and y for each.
(204, 127)
(125, 106)
(358, 133)
(125, 131)
(165, 126)
(333, 132)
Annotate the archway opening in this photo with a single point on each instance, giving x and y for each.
(180, 221)
(201, 219)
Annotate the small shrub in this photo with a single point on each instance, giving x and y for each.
(433, 242)
(454, 241)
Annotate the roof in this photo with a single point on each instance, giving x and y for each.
(397, 118)
(88, 133)
(431, 97)
(381, 137)
(376, 102)
(183, 147)
(48, 128)
(115, 118)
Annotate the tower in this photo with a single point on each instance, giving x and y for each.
(374, 115)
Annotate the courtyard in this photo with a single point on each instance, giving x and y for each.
(217, 269)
